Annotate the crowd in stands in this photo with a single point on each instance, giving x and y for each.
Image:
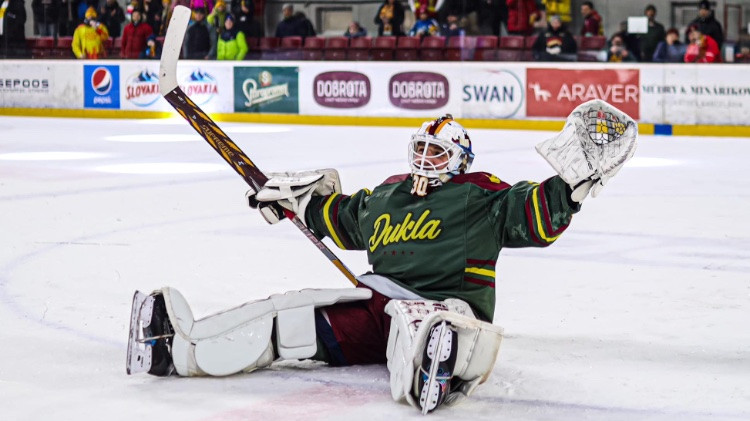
(230, 31)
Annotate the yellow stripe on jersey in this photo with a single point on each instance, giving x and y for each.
(538, 216)
(329, 222)
(483, 272)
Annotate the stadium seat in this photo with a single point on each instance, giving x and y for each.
(41, 47)
(268, 47)
(290, 48)
(116, 47)
(407, 48)
(64, 47)
(313, 48)
(336, 48)
(432, 48)
(591, 43)
(511, 48)
(359, 49)
(459, 48)
(109, 46)
(528, 44)
(382, 48)
(486, 48)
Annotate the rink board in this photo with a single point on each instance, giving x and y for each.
(518, 95)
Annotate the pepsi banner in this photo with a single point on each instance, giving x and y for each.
(101, 86)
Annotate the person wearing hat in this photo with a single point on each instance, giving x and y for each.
(89, 37)
(556, 43)
(707, 23)
(217, 16)
(231, 44)
(152, 50)
(200, 38)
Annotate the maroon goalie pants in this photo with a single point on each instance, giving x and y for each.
(355, 332)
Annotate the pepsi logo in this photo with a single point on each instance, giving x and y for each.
(101, 81)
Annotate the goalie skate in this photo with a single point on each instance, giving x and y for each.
(150, 336)
(433, 380)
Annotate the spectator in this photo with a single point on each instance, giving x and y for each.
(560, 8)
(152, 50)
(432, 7)
(170, 9)
(653, 37)
(556, 43)
(632, 42)
(12, 31)
(425, 25)
(390, 18)
(671, 50)
(152, 14)
(68, 17)
(592, 22)
(618, 51)
(451, 27)
(206, 5)
(306, 27)
(245, 22)
(355, 30)
(702, 48)
(238, 7)
(743, 56)
(46, 15)
(135, 35)
(200, 38)
(521, 16)
(293, 24)
(491, 15)
(707, 23)
(112, 16)
(89, 37)
(231, 44)
(217, 17)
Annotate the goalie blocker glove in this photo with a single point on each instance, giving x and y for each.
(291, 191)
(595, 143)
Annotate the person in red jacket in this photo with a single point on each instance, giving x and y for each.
(134, 36)
(592, 21)
(522, 14)
(702, 48)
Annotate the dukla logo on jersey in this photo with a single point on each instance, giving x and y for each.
(101, 86)
(142, 89)
(200, 86)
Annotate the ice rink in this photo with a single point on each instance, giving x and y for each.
(641, 311)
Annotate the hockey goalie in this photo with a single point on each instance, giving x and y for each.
(432, 237)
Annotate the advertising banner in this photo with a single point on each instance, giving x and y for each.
(696, 94)
(101, 86)
(493, 93)
(26, 86)
(341, 89)
(555, 92)
(266, 90)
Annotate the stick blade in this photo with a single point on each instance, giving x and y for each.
(172, 48)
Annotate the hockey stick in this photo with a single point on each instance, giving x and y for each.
(215, 137)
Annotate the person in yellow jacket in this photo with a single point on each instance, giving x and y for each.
(231, 44)
(89, 37)
(560, 8)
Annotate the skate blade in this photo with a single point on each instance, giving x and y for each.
(139, 353)
(436, 383)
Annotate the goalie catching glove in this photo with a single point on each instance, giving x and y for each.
(595, 143)
(291, 191)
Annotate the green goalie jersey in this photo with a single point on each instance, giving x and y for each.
(444, 245)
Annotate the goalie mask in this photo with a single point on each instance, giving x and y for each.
(439, 150)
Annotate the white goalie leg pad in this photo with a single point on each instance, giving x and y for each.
(239, 339)
(411, 320)
(593, 146)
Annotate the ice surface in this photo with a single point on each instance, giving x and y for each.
(639, 312)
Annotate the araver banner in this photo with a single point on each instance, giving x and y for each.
(555, 92)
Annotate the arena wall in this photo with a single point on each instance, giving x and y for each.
(680, 99)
